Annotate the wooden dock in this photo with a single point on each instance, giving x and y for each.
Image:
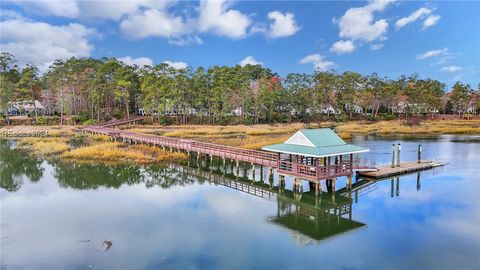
(405, 167)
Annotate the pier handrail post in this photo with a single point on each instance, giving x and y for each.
(398, 155)
(419, 152)
(393, 155)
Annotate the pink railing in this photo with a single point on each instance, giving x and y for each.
(246, 155)
(312, 171)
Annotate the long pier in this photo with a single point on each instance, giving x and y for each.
(255, 157)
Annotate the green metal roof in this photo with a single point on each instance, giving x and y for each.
(315, 143)
(322, 137)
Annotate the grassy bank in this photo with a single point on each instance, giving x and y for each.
(400, 128)
(68, 144)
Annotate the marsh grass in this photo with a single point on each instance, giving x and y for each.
(115, 151)
(44, 146)
(399, 127)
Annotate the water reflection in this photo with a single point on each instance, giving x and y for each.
(313, 217)
(15, 166)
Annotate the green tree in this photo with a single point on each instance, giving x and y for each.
(460, 97)
(29, 86)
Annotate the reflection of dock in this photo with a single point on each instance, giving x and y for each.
(405, 167)
(309, 216)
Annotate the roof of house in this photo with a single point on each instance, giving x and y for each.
(27, 105)
(322, 142)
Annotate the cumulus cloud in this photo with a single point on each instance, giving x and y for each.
(430, 21)
(318, 62)
(217, 17)
(451, 68)
(282, 25)
(41, 43)
(432, 53)
(177, 65)
(342, 46)
(417, 14)
(153, 22)
(249, 60)
(62, 8)
(359, 24)
(139, 61)
(92, 9)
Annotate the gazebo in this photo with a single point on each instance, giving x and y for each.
(315, 154)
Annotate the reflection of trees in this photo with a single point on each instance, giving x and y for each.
(92, 176)
(15, 165)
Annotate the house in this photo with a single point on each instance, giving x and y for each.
(355, 108)
(237, 112)
(328, 109)
(25, 108)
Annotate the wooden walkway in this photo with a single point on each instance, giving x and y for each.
(235, 153)
(254, 157)
(405, 167)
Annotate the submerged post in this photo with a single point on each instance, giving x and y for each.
(392, 185)
(398, 186)
(419, 152)
(398, 155)
(419, 185)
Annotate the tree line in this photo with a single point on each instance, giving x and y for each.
(101, 89)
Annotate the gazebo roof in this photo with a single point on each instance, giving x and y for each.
(321, 142)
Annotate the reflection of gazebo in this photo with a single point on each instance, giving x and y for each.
(322, 219)
(315, 154)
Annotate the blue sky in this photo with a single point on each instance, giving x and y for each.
(439, 39)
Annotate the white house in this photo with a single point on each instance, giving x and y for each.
(25, 107)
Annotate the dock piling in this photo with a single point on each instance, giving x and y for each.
(393, 155)
(398, 154)
(419, 152)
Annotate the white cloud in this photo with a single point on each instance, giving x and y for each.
(451, 69)
(41, 43)
(442, 60)
(153, 22)
(62, 8)
(376, 46)
(282, 25)
(249, 60)
(91, 9)
(116, 10)
(185, 40)
(177, 65)
(342, 46)
(431, 21)
(317, 61)
(216, 17)
(7, 14)
(432, 53)
(417, 14)
(139, 61)
(358, 23)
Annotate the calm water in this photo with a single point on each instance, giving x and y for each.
(57, 216)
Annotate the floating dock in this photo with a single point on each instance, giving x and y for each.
(404, 168)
